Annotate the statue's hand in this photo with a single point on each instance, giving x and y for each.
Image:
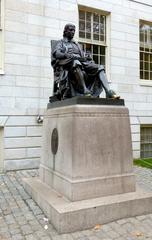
(68, 55)
(89, 58)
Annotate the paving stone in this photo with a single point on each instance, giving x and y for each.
(93, 238)
(57, 237)
(106, 228)
(15, 231)
(9, 219)
(17, 237)
(7, 211)
(21, 220)
(113, 234)
(128, 226)
(26, 229)
(5, 236)
(47, 238)
(29, 216)
(76, 235)
(36, 210)
(101, 235)
(84, 238)
(40, 233)
(31, 237)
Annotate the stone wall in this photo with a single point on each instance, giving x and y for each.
(28, 78)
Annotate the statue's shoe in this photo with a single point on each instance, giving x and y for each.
(87, 93)
(111, 94)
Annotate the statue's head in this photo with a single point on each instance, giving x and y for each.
(69, 31)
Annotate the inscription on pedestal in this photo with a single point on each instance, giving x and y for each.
(54, 141)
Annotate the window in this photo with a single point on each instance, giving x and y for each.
(1, 34)
(92, 34)
(145, 50)
(146, 141)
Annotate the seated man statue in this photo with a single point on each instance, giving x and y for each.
(75, 73)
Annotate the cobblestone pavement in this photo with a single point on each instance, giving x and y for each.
(21, 218)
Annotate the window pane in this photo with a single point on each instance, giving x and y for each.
(141, 65)
(102, 50)
(95, 49)
(146, 75)
(81, 25)
(141, 75)
(102, 28)
(95, 37)
(88, 16)
(82, 15)
(96, 17)
(146, 66)
(141, 56)
(102, 60)
(95, 58)
(102, 38)
(81, 34)
(88, 47)
(146, 57)
(142, 37)
(96, 28)
(102, 19)
(88, 35)
(88, 27)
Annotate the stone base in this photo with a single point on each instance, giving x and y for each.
(86, 150)
(67, 216)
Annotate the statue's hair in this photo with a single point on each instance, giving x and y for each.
(66, 28)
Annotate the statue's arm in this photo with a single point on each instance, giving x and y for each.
(59, 51)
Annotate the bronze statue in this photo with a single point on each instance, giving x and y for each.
(75, 73)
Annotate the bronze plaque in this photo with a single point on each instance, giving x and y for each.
(54, 141)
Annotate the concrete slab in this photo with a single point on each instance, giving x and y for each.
(68, 216)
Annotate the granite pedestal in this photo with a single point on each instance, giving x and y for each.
(86, 171)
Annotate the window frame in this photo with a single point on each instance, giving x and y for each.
(2, 38)
(107, 35)
(144, 142)
(144, 82)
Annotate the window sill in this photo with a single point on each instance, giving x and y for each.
(147, 83)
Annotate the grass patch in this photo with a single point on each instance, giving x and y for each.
(143, 162)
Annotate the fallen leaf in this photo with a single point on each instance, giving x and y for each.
(97, 227)
(137, 234)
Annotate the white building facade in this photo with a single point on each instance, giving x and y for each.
(119, 35)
